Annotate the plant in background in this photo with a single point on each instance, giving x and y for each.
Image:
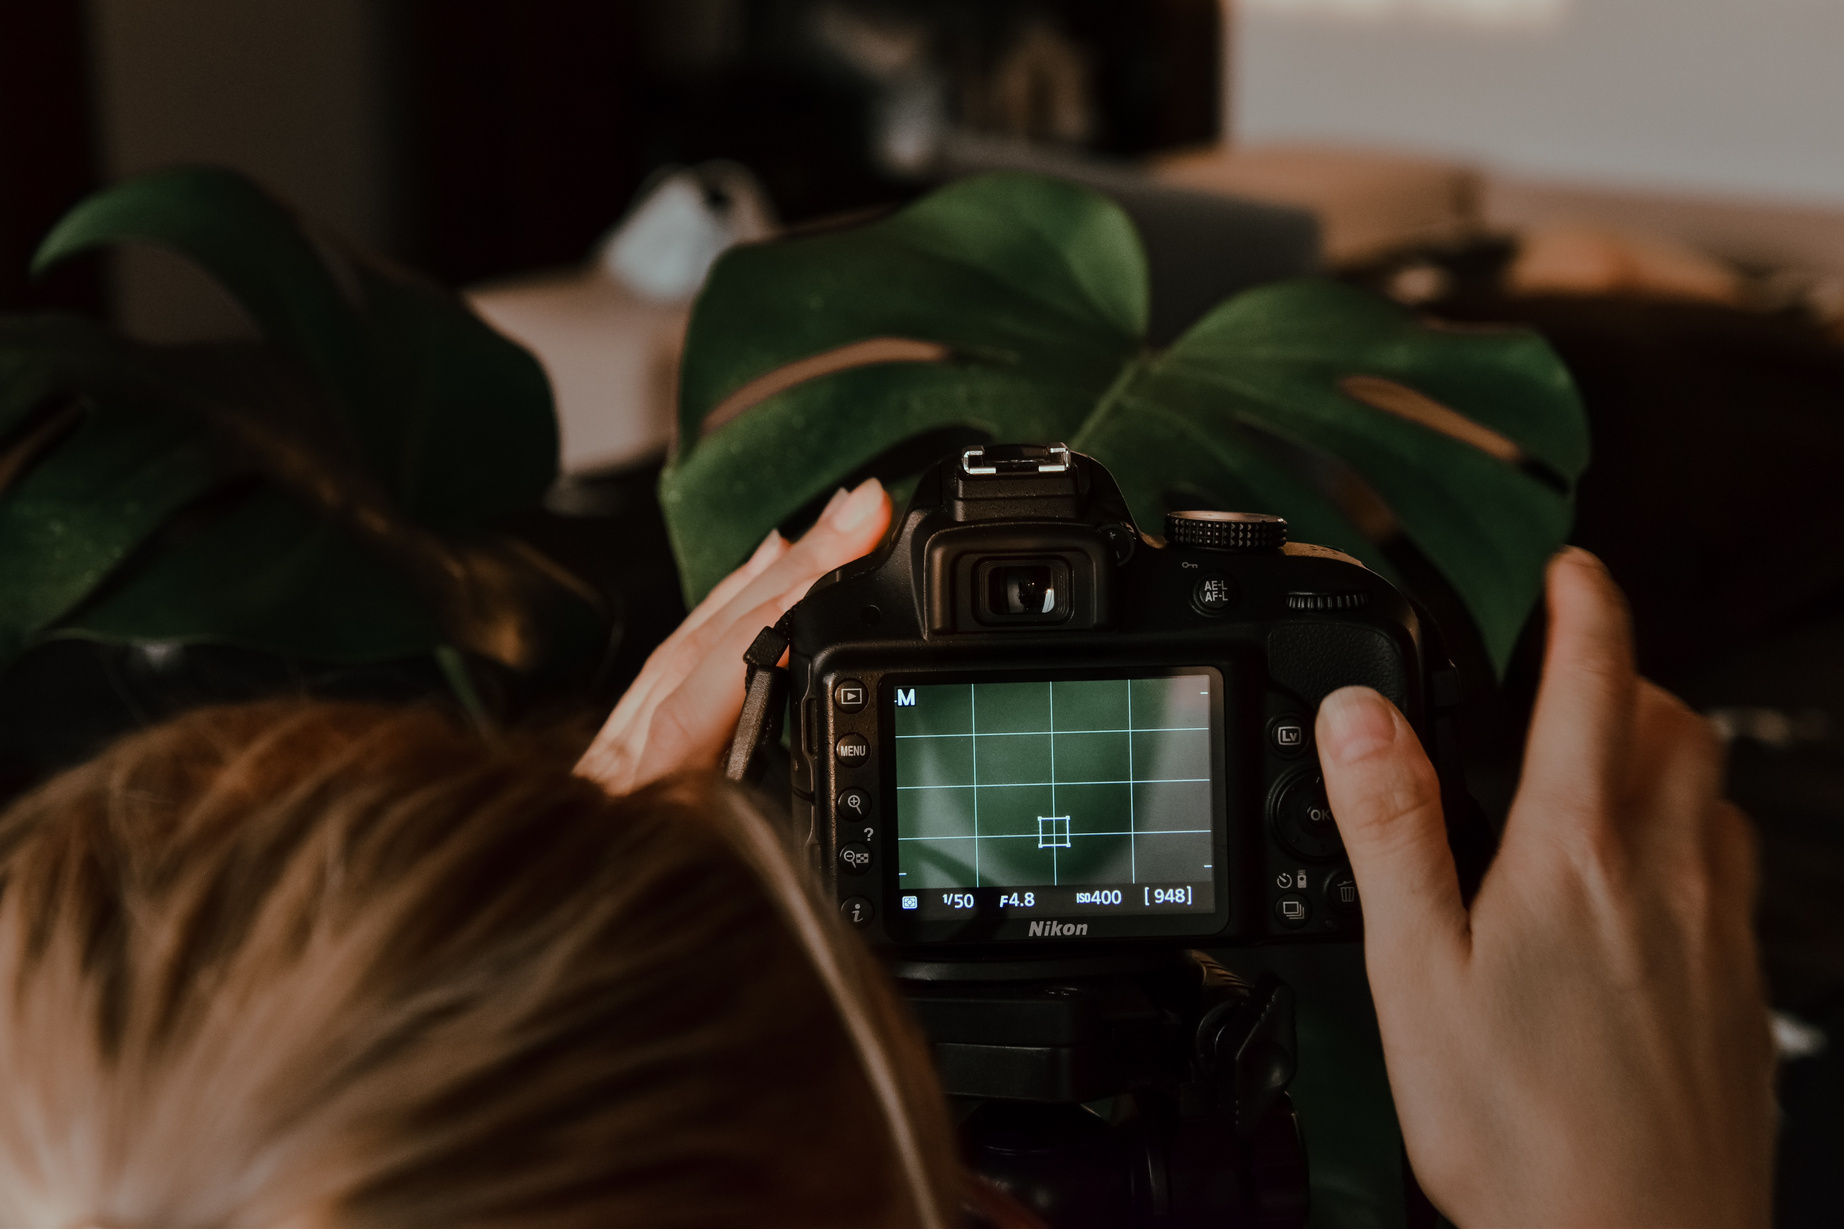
(333, 493)
(1013, 308)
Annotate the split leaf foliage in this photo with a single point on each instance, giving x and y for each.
(1020, 303)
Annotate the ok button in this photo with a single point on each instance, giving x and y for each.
(852, 749)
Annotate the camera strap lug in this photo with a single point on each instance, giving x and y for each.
(764, 698)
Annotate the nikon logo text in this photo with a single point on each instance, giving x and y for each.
(1058, 930)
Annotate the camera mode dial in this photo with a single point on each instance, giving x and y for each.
(1226, 531)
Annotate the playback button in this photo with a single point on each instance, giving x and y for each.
(850, 696)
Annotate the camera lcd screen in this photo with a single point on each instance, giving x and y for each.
(1057, 798)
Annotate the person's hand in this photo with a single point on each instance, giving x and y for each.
(1589, 1046)
(683, 707)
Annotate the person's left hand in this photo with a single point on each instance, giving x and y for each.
(683, 707)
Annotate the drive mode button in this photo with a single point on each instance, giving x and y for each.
(852, 749)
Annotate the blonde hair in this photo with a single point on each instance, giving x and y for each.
(341, 965)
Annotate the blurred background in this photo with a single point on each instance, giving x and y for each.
(1657, 185)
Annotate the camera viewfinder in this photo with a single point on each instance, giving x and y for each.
(1031, 591)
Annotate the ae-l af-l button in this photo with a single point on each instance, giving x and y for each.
(852, 749)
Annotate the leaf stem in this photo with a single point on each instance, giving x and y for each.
(1106, 401)
(453, 664)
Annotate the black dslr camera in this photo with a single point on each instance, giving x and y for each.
(1041, 757)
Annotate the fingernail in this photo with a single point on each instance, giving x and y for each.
(1354, 723)
(1576, 555)
(838, 497)
(771, 544)
(857, 507)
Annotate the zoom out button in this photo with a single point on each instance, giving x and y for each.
(854, 859)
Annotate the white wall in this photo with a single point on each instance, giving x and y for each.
(290, 91)
(1740, 98)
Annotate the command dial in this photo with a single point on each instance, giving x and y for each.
(1227, 531)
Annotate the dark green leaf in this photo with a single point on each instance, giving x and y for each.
(724, 497)
(1034, 288)
(1161, 445)
(454, 419)
(1029, 273)
(65, 526)
(91, 497)
(1032, 293)
(257, 249)
(1277, 358)
(93, 493)
(476, 431)
(266, 574)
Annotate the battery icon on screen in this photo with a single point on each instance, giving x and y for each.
(910, 902)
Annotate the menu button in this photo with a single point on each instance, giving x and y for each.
(852, 749)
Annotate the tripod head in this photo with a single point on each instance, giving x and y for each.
(1121, 1091)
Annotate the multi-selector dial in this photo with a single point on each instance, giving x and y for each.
(1226, 531)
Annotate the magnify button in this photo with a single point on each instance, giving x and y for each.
(855, 804)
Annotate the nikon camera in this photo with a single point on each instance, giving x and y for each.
(1026, 728)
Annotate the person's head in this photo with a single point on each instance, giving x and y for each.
(298, 966)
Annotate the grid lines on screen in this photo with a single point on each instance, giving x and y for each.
(1072, 782)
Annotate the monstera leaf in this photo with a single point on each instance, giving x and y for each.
(1013, 308)
(330, 493)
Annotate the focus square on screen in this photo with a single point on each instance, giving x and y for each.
(1081, 782)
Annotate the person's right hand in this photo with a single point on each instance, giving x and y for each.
(1589, 1044)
